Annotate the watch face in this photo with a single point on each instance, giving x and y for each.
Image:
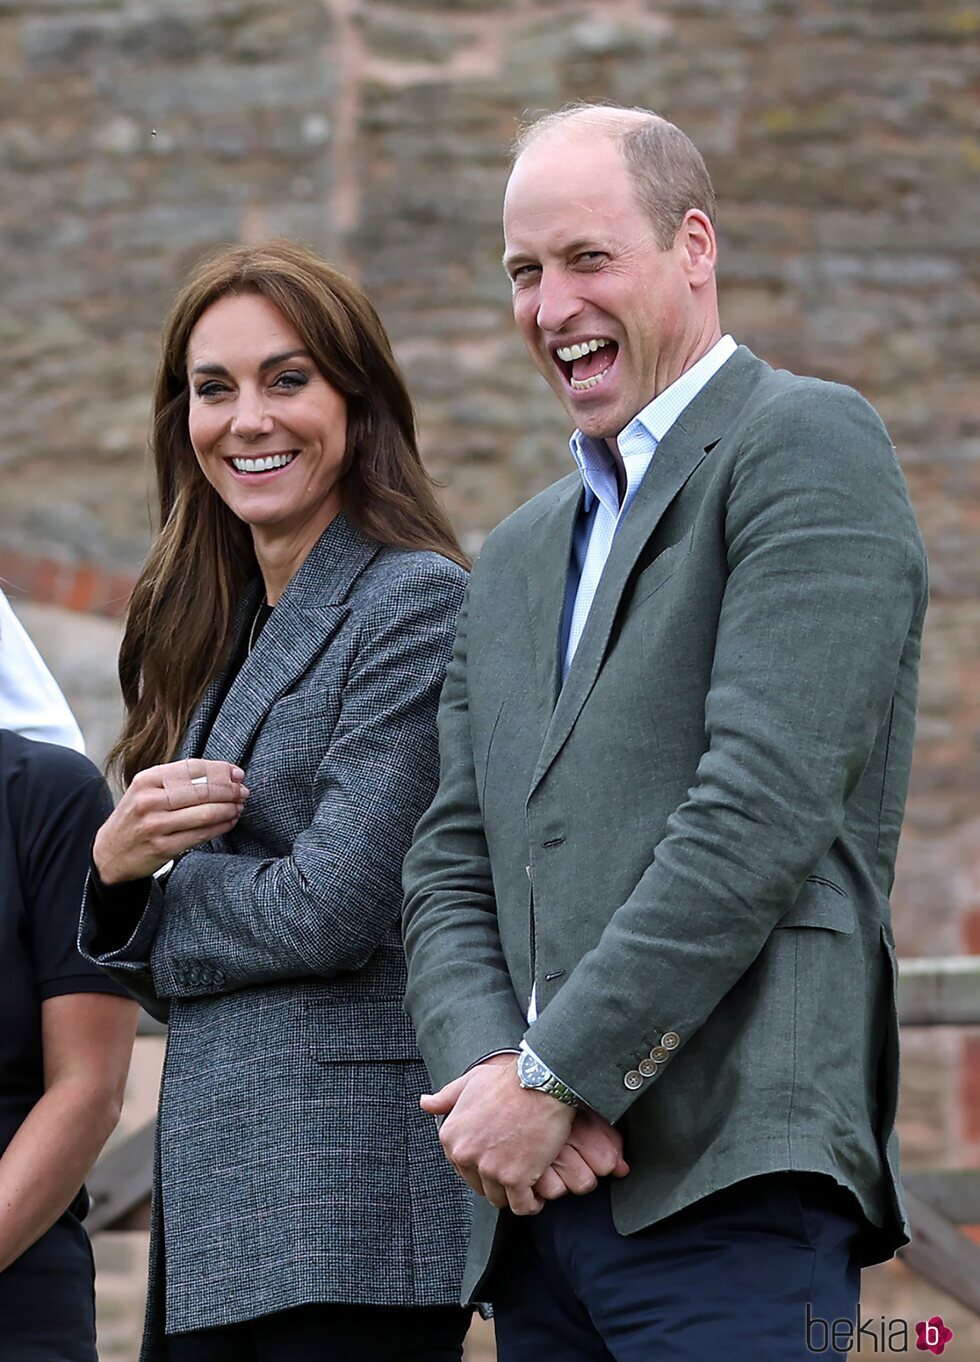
(531, 1071)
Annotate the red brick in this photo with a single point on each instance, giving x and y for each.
(970, 1088)
(86, 587)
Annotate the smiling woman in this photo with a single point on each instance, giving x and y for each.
(281, 667)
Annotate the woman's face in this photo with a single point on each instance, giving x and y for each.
(268, 430)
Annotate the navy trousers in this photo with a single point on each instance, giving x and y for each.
(331, 1333)
(730, 1278)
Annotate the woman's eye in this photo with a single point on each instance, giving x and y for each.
(292, 378)
(210, 389)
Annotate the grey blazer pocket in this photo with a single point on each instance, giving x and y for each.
(663, 566)
(821, 904)
(366, 1029)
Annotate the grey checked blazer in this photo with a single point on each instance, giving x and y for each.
(294, 1164)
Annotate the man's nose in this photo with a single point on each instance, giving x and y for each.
(558, 301)
(250, 418)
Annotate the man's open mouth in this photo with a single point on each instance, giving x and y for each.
(586, 363)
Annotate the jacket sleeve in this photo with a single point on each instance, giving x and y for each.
(231, 920)
(460, 995)
(826, 588)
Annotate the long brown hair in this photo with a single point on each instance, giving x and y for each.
(180, 621)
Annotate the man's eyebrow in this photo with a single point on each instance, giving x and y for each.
(573, 247)
(219, 370)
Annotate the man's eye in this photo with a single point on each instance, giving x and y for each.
(590, 258)
(522, 274)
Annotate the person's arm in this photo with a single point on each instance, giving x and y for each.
(31, 702)
(460, 995)
(87, 1041)
(232, 920)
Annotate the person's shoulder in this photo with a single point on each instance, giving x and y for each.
(513, 531)
(45, 783)
(782, 394)
(43, 762)
(399, 579)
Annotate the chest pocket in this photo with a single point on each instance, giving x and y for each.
(652, 577)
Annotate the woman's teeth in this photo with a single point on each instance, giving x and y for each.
(264, 464)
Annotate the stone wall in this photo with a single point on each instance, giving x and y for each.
(844, 140)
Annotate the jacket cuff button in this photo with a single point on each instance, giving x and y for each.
(670, 1040)
(633, 1080)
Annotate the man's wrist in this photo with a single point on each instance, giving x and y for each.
(534, 1074)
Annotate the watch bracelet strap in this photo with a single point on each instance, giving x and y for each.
(554, 1087)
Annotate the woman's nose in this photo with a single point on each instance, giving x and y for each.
(250, 418)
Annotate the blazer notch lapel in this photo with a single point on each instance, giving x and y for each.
(685, 446)
(287, 647)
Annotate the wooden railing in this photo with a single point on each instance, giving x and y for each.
(941, 992)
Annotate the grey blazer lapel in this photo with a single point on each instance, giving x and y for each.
(547, 579)
(696, 431)
(305, 619)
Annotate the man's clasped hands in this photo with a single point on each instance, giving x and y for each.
(521, 1148)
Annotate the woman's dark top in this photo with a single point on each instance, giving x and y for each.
(52, 802)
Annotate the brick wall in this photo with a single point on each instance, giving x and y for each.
(845, 143)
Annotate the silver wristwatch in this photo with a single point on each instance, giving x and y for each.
(534, 1073)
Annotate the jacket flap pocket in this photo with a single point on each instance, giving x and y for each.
(821, 904)
(666, 563)
(365, 1028)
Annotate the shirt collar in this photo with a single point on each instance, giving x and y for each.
(638, 441)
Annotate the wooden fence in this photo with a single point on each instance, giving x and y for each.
(942, 992)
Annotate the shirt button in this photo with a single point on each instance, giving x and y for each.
(670, 1040)
(647, 1067)
(634, 1079)
(660, 1054)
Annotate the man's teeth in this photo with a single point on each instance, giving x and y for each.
(263, 465)
(580, 384)
(570, 352)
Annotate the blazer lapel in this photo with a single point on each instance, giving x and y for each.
(699, 427)
(304, 620)
(547, 580)
(203, 716)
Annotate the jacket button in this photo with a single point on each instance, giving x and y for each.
(660, 1054)
(670, 1040)
(633, 1080)
(647, 1067)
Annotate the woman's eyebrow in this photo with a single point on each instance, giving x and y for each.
(270, 363)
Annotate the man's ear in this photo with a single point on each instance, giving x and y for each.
(696, 238)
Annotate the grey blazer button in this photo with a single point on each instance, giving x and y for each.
(633, 1080)
(648, 1067)
(660, 1054)
(670, 1040)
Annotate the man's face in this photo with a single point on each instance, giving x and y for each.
(609, 317)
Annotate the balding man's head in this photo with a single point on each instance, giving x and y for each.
(667, 170)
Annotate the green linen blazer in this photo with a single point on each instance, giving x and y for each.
(689, 846)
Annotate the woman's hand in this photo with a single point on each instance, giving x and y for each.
(166, 811)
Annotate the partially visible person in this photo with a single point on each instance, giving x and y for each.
(31, 701)
(66, 1033)
(281, 668)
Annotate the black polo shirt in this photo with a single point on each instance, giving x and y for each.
(52, 802)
